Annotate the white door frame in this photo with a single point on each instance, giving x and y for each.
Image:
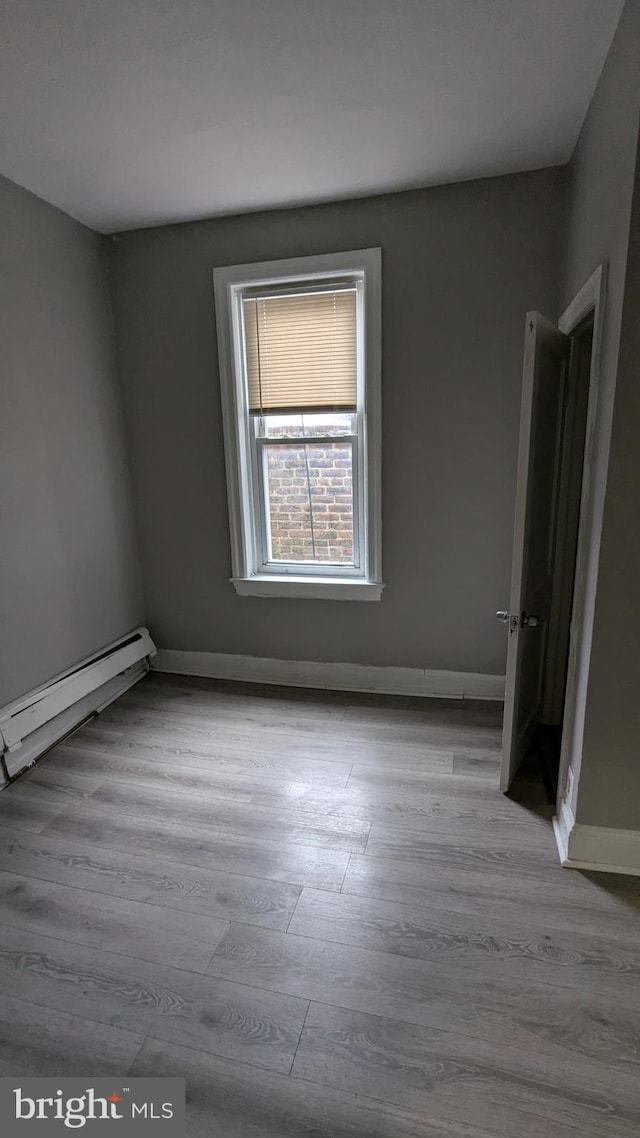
(590, 299)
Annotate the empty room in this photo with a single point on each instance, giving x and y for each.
(319, 559)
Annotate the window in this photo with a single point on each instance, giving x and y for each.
(299, 348)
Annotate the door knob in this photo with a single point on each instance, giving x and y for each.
(514, 622)
(507, 618)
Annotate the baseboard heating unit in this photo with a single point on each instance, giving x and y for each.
(37, 721)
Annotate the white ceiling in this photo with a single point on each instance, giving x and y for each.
(130, 113)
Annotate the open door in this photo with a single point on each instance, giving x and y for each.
(546, 352)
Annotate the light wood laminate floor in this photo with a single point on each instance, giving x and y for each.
(320, 911)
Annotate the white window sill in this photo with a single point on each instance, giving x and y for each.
(309, 588)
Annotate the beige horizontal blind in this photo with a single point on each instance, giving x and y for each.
(301, 351)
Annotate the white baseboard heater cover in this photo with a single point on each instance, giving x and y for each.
(33, 723)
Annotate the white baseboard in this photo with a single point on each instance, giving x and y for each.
(339, 677)
(596, 847)
(563, 824)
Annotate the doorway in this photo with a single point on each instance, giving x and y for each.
(556, 522)
(565, 522)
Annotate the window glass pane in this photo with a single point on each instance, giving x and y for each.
(309, 490)
(306, 426)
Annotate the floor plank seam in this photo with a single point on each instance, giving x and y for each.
(293, 912)
(344, 875)
(145, 1040)
(299, 1039)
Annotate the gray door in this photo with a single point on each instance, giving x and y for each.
(546, 351)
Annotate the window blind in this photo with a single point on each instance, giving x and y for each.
(301, 351)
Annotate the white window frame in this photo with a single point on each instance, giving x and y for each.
(364, 580)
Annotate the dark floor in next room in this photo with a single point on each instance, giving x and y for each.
(319, 909)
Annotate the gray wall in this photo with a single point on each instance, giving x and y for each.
(601, 183)
(461, 266)
(68, 574)
(609, 790)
